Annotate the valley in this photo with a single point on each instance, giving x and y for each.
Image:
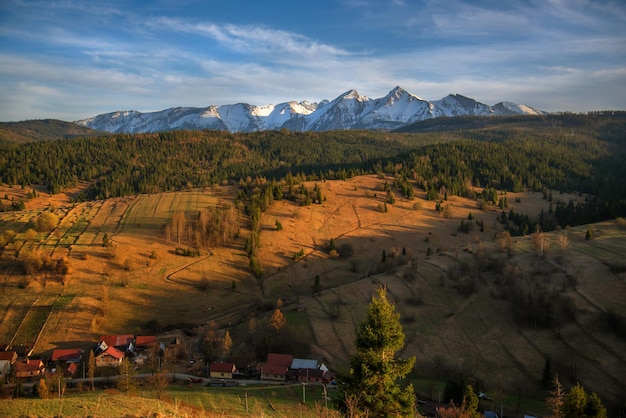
(448, 286)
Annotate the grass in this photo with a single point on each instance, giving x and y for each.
(178, 401)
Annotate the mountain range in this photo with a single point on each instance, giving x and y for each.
(349, 110)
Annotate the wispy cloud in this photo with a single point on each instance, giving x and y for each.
(85, 58)
(254, 40)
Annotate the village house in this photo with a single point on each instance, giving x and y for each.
(7, 360)
(145, 342)
(67, 359)
(276, 367)
(220, 370)
(67, 355)
(29, 368)
(108, 356)
(123, 343)
(309, 371)
(310, 376)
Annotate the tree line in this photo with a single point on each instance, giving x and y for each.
(582, 153)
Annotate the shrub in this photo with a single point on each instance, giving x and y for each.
(256, 268)
(46, 222)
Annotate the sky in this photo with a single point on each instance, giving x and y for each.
(71, 59)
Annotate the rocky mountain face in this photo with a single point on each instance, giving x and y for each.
(349, 110)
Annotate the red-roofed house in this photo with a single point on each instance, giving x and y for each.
(276, 367)
(110, 357)
(69, 355)
(121, 342)
(222, 370)
(29, 368)
(145, 342)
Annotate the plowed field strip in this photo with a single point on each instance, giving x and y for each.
(34, 320)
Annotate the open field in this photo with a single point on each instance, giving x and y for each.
(417, 252)
(180, 400)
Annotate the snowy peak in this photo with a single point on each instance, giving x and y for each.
(350, 110)
(508, 108)
(457, 105)
(352, 94)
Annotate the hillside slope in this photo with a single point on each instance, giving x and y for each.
(38, 130)
(453, 290)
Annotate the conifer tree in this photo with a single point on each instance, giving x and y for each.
(371, 386)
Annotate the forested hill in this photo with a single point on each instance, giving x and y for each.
(35, 130)
(593, 120)
(556, 152)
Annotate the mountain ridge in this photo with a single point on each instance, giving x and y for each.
(349, 110)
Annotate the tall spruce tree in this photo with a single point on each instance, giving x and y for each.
(371, 388)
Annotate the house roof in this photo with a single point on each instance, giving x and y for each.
(70, 354)
(10, 356)
(72, 368)
(220, 367)
(113, 352)
(29, 365)
(145, 340)
(274, 369)
(300, 363)
(117, 340)
(283, 360)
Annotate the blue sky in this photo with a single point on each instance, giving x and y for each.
(72, 59)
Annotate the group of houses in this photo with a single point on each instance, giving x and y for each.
(112, 349)
(280, 368)
(109, 352)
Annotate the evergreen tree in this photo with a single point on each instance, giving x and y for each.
(470, 400)
(555, 398)
(126, 382)
(370, 386)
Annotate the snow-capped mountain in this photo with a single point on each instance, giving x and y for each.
(349, 110)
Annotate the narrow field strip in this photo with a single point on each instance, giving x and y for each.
(34, 321)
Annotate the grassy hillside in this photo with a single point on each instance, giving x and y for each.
(462, 299)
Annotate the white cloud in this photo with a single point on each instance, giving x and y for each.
(153, 63)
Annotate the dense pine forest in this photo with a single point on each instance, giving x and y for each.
(447, 156)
